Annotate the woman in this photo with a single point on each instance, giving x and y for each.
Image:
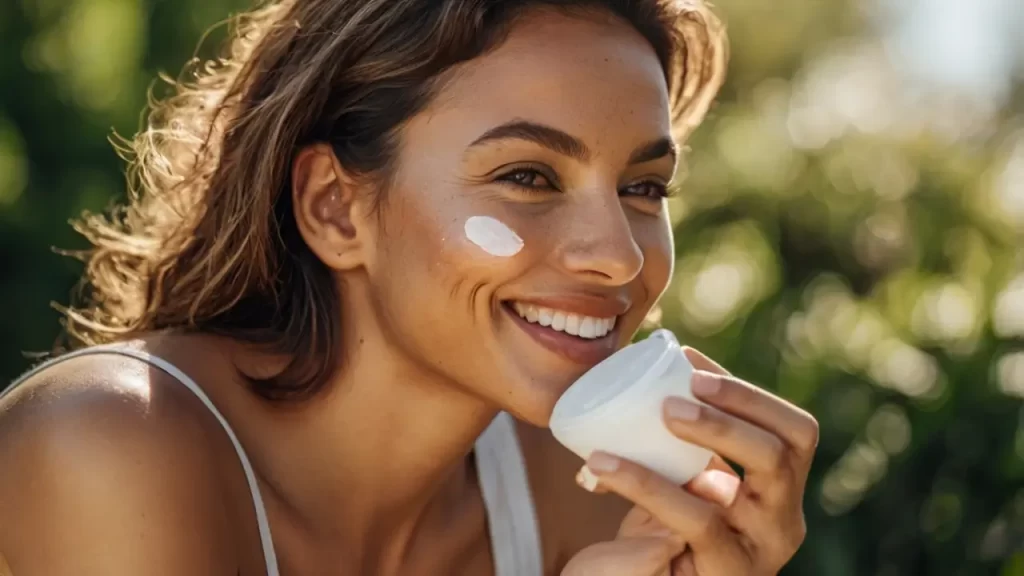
(356, 245)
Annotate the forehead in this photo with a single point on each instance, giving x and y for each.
(595, 77)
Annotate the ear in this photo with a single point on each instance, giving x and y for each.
(330, 208)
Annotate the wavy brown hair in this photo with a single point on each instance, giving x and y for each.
(207, 240)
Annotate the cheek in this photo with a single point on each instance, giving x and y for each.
(450, 249)
(434, 287)
(656, 243)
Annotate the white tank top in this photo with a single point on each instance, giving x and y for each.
(511, 517)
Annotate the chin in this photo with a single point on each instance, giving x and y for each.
(536, 416)
(540, 362)
(531, 398)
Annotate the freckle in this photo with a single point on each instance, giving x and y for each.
(361, 340)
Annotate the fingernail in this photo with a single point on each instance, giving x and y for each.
(601, 463)
(680, 409)
(586, 479)
(727, 486)
(704, 384)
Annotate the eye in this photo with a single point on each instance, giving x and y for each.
(527, 178)
(647, 189)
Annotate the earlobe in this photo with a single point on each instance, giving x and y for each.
(327, 207)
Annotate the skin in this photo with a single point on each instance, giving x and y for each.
(362, 476)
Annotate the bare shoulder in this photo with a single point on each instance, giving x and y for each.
(570, 518)
(109, 469)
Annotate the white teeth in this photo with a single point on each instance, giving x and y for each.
(531, 314)
(559, 322)
(546, 315)
(572, 324)
(587, 327)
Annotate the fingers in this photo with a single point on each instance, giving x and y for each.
(697, 521)
(686, 514)
(643, 556)
(752, 447)
(588, 481)
(774, 532)
(717, 463)
(683, 565)
(776, 535)
(703, 363)
(639, 523)
(778, 531)
(716, 486)
(790, 423)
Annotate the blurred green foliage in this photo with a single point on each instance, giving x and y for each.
(855, 251)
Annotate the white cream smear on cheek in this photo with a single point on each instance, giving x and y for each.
(493, 236)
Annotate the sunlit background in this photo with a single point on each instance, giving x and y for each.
(850, 234)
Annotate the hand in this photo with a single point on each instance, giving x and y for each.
(718, 524)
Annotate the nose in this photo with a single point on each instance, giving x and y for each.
(598, 244)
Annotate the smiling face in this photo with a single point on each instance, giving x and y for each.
(560, 137)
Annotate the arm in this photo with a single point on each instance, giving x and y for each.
(109, 478)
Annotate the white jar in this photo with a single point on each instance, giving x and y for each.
(616, 407)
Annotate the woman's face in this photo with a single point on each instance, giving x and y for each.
(560, 136)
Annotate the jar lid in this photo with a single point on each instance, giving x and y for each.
(629, 369)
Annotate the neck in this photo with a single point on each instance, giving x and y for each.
(383, 448)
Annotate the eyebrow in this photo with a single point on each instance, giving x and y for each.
(568, 145)
(654, 150)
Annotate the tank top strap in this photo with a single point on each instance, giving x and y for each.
(511, 516)
(269, 557)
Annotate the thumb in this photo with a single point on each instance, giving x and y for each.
(716, 486)
(645, 556)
